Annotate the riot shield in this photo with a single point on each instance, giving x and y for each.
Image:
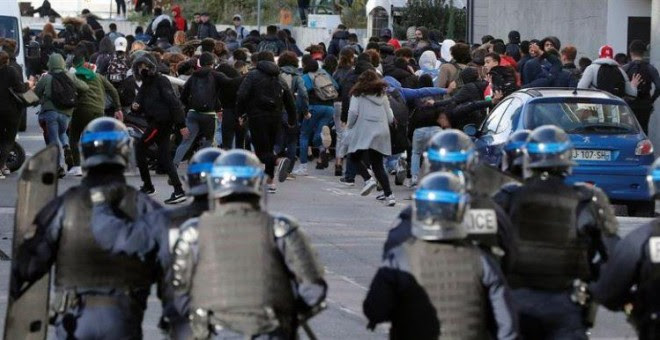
(27, 315)
(487, 180)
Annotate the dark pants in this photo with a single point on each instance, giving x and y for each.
(548, 315)
(79, 121)
(287, 143)
(642, 110)
(160, 135)
(232, 130)
(121, 7)
(264, 131)
(374, 159)
(8, 129)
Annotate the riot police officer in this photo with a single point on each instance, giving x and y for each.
(560, 233)
(486, 223)
(630, 280)
(512, 152)
(436, 284)
(246, 290)
(168, 221)
(102, 280)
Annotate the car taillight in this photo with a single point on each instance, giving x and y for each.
(644, 148)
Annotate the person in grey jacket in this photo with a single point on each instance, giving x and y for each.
(606, 57)
(369, 117)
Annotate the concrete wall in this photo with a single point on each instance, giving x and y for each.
(304, 36)
(581, 23)
(618, 12)
(480, 20)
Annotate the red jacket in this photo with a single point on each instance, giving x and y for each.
(179, 21)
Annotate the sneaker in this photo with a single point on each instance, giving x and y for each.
(290, 177)
(338, 170)
(283, 169)
(410, 182)
(381, 197)
(326, 137)
(148, 190)
(368, 187)
(75, 171)
(177, 197)
(390, 201)
(5, 171)
(272, 189)
(301, 170)
(2, 176)
(347, 182)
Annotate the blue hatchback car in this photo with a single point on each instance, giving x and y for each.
(611, 149)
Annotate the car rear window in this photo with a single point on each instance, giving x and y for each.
(583, 117)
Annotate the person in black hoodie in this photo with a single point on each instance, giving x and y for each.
(263, 96)
(339, 40)
(363, 64)
(402, 72)
(160, 106)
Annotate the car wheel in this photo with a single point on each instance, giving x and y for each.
(641, 208)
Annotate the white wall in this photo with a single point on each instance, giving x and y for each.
(618, 12)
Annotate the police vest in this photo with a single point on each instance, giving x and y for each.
(646, 308)
(240, 277)
(451, 276)
(549, 254)
(82, 263)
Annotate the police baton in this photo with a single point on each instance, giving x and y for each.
(308, 330)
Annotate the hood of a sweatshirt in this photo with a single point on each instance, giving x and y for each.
(606, 61)
(290, 70)
(56, 63)
(428, 60)
(147, 59)
(268, 67)
(177, 11)
(445, 50)
(377, 100)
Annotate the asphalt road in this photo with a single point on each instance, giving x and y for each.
(346, 229)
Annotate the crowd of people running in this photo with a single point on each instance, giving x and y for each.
(365, 107)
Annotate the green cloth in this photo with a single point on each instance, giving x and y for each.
(85, 73)
(56, 64)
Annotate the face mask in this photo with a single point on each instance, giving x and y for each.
(144, 73)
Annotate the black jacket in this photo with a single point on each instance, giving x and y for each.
(10, 78)
(156, 97)
(251, 89)
(228, 92)
(206, 30)
(268, 42)
(407, 79)
(210, 96)
(338, 38)
(347, 84)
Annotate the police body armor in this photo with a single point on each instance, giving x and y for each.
(646, 305)
(451, 276)
(240, 279)
(484, 225)
(549, 253)
(82, 264)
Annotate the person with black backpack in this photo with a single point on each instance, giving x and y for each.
(57, 90)
(271, 42)
(642, 106)
(605, 74)
(200, 96)
(263, 96)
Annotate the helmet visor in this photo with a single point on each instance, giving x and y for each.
(232, 180)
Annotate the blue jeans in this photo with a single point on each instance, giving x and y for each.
(322, 115)
(55, 125)
(218, 132)
(421, 137)
(196, 123)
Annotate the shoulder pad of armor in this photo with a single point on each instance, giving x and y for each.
(601, 206)
(510, 187)
(189, 231)
(284, 224)
(585, 191)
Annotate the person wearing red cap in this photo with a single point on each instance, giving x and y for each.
(605, 74)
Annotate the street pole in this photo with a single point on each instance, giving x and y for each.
(259, 15)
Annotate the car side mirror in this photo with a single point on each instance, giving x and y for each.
(470, 130)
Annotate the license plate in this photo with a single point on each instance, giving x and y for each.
(592, 155)
(481, 221)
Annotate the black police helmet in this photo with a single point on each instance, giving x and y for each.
(199, 170)
(512, 152)
(548, 148)
(450, 150)
(236, 172)
(439, 206)
(105, 141)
